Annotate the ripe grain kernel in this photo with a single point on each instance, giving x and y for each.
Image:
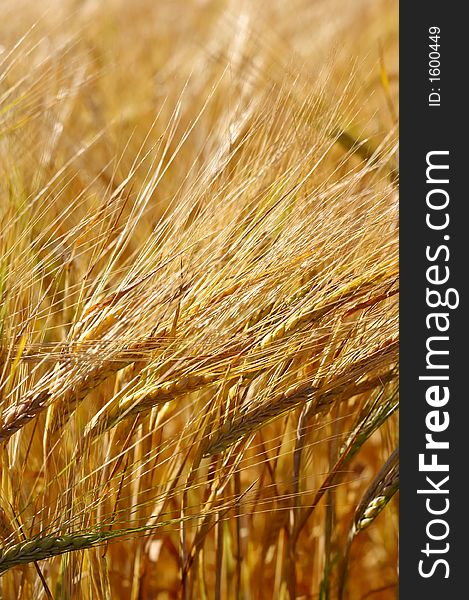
(182, 384)
(167, 388)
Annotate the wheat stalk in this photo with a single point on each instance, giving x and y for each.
(380, 491)
(343, 387)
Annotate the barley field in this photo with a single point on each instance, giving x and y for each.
(198, 300)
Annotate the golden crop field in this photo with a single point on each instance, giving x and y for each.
(198, 300)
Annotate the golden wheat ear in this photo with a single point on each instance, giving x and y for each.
(380, 491)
